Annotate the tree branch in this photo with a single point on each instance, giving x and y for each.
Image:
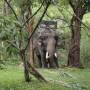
(33, 14)
(78, 18)
(34, 72)
(65, 20)
(11, 9)
(37, 24)
(13, 45)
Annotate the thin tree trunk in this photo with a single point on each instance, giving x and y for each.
(30, 29)
(74, 51)
(26, 69)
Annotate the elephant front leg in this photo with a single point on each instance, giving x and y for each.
(43, 60)
(39, 61)
(56, 62)
(52, 63)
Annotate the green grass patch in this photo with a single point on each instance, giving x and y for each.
(12, 78)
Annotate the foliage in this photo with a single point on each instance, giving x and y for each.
(85, 42)
(85, 50)
(9, 26)
(87, 5)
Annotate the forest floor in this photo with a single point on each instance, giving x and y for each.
(12, 78)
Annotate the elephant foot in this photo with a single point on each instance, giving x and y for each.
(44, 66)
(53, 66)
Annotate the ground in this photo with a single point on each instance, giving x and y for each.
(12, 78)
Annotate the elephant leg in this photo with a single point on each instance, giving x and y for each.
(52, 63)
(56, 62)
(47, 63)
(44, 63)
(39, 60)
(43, 60)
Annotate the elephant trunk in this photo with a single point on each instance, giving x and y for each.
(51, 47)
(51, 54)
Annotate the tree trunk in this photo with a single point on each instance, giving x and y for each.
(29, 69)
(74, 51)
(26, 69)
(30, 29)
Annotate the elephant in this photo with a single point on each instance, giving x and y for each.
(45, 49)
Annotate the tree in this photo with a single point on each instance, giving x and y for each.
(79, 8)
(28, 68)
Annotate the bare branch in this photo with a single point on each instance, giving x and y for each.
(11, 9)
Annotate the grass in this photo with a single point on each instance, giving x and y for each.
(12, 78)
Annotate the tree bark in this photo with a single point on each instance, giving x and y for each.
(26, 69)
(74, 51)
(30, 29)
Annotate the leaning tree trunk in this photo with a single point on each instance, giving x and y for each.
(29, 69)
(74, 51)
